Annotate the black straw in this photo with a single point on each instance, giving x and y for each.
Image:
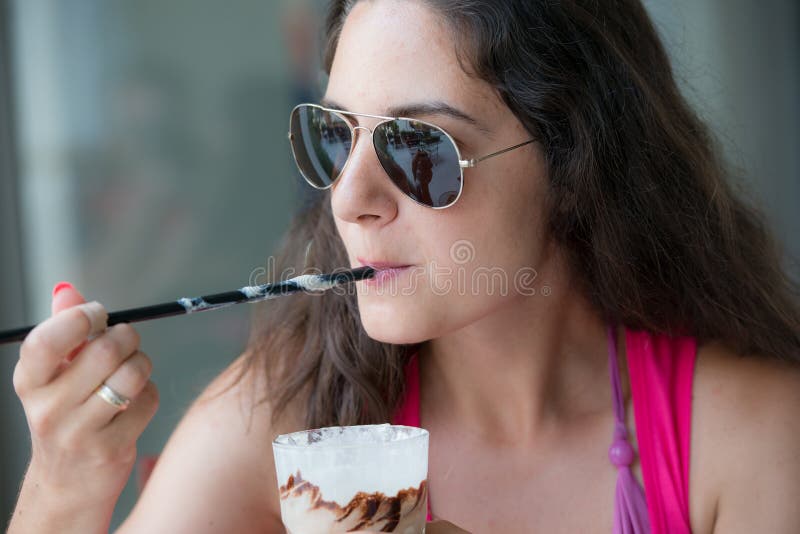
(313, 282)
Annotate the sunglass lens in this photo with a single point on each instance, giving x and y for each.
(421, 160)
(321, 142)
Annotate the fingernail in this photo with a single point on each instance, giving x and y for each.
(61, 285)
(97, 315)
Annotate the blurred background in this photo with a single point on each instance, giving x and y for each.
(143, 156)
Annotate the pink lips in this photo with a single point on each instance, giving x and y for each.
(386, 270)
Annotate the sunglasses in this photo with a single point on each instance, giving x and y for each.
(421, 159)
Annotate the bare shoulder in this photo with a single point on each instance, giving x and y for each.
(216, 472)
(745, 459)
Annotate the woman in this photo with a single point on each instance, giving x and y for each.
(637, 260)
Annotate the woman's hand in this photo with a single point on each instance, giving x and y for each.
(83, 447)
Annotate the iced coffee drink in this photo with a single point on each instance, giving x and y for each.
(342, 479)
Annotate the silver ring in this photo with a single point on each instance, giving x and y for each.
(116, 400)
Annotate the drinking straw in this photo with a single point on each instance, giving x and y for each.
(182, 306)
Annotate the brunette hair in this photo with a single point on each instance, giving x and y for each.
(638, 199)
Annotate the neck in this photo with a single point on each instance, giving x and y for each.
(522, 370)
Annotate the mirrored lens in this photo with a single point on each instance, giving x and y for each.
(421, 160)
(321, 142)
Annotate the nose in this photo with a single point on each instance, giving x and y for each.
(363, 193)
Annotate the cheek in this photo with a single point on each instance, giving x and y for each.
(351, 236)
(341, 230)
(518, 200)
(502, 223)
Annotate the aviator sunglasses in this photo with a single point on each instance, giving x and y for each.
(421, 159)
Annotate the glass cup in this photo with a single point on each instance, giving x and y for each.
(340, 479)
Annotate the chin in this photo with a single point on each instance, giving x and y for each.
(397, 330)
(392, 333)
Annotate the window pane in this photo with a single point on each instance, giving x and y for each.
(155, 163)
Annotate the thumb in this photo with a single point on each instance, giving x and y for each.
(65, 296)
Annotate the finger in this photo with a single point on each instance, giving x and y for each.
(127, 381)
(51, 341)
(98, 361)
(127, 426)
(65, 296)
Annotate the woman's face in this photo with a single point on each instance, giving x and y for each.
(468, 260)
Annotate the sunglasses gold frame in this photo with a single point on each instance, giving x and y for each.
(462, 163)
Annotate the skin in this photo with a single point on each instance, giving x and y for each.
(514, 390)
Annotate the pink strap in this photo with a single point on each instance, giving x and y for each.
(661, 372)
(630, 505)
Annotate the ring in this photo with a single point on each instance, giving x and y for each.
(116, 400)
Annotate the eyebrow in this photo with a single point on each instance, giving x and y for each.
(416, 109)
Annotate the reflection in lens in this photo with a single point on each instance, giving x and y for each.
(420, 159)
(321, 143)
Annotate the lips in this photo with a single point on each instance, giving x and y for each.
(385, 271)
(380, 264)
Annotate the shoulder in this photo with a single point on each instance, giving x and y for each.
(744, 390)
(737, 385)
(746, 441)
(216, 472)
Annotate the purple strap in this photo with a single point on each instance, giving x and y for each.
(630, 506)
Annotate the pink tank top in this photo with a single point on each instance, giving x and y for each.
(661, 371)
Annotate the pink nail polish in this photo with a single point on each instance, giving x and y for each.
(59, 286)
